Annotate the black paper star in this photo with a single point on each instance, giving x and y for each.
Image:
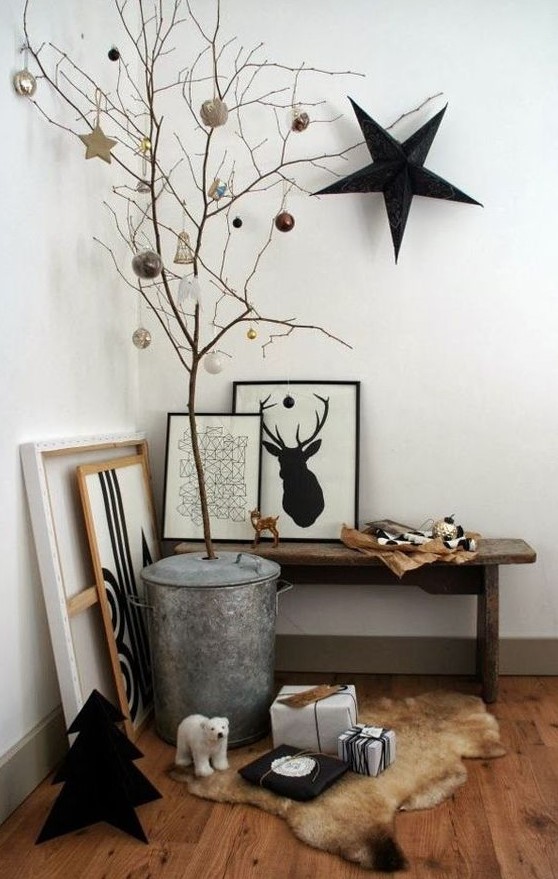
(397, 171)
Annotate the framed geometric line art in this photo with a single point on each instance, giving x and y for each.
(120, 523)
(230, 450)
(310, 453)
(70, 593)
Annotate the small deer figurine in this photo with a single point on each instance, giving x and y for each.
(267, 523)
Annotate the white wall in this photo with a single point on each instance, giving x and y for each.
(455, 346)
(69, 368)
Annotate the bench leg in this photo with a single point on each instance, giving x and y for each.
(488, 634)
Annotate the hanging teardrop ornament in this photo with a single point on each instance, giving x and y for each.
(251, 334)
(300, 120)
(24, 82)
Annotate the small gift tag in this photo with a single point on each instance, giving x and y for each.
(300, 700)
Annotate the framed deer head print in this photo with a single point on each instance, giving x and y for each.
(310, 452)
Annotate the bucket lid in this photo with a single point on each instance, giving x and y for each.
(195, 570)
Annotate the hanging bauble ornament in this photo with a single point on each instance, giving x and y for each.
(214, 113)
(288, 402)
(237, 222)
(213, 362)
(113, 54)
(189, 290)
(284, 221)
(301, 120)
(141, 338)
(251, 334)
(217, 189)
(143, 186)
(184, 253)
(145, 145)
(147, 264)
(25, 83)
(445, 529)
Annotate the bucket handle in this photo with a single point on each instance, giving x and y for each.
(252, 558)
(282, 587)
(137, 603)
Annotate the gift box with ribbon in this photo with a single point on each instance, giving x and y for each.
(315, 720)
(367, 749)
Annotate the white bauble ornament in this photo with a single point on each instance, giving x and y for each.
(213, 362)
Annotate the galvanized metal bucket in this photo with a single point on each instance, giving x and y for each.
(212, 637)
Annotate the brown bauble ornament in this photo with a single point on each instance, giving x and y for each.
(251, 334)
(300, 122)
(284, 221)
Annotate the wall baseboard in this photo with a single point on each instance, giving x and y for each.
(408, 655)
(30, 760)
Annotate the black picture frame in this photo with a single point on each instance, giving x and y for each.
(315, 490)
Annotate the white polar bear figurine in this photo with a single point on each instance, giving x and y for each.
(201, 739)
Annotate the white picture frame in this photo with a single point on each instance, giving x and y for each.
(230, 448)
(79, 645)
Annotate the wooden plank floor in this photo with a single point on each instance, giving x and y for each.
(502, 824)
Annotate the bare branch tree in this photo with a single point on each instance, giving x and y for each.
(173, 173)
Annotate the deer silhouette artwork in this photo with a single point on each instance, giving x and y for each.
(303, 498)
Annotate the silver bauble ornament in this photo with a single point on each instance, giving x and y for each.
(445, 529)
(214, 113)
(141, 338)
(147, 264)
(213, 362)
(25, 83)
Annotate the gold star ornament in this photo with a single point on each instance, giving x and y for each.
(97, 144)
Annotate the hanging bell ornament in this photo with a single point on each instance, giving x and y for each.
(445, 529)
(147, 264)
(284, 221)
(301, 120)
(217, 189)
(141, 338)
(184, 253)
(214, 113)
(251, 334)
(25, 83)
(213, 362)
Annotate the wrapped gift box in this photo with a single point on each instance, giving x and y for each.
(367, 749)
(315, 727)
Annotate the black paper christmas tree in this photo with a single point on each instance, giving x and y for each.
(101, 782)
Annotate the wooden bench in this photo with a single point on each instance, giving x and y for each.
(335, 563)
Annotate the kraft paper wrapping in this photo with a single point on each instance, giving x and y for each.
(405, 557)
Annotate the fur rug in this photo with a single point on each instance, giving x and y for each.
(355, 817)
